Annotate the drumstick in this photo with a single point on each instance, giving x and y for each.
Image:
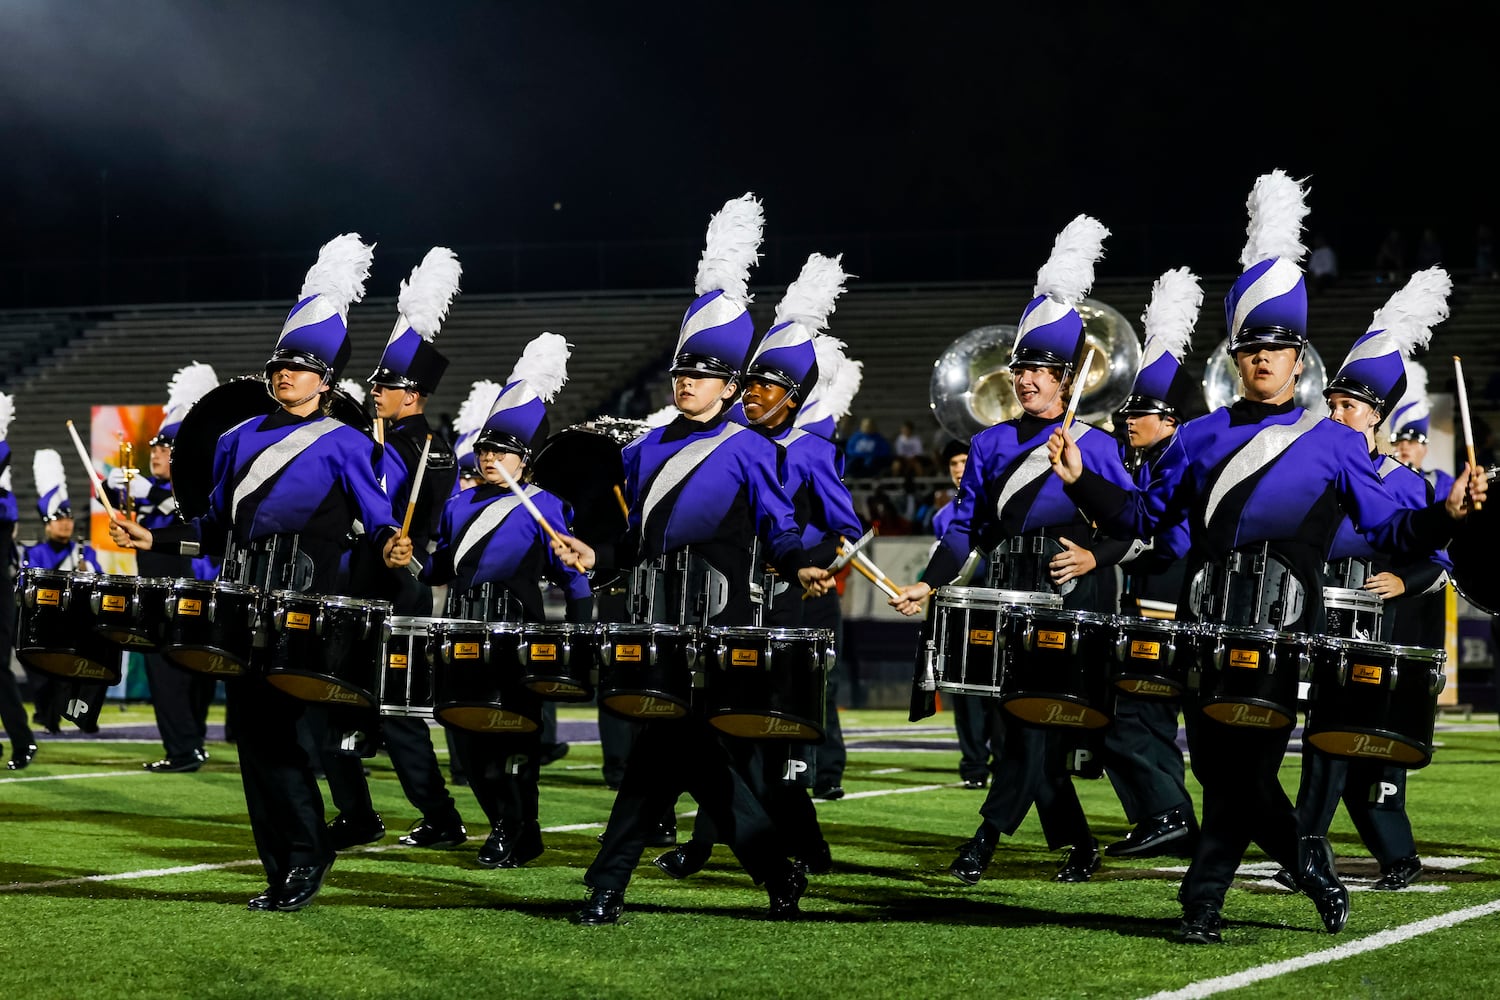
(93, 476)
(620, 496)
(416, 486)
(1083, 374)
(884, 587)
(1463, 412)
(530, 507)
(869, 564)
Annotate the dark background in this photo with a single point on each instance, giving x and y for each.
(167, 150)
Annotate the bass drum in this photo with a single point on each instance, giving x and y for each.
(582, 464)
(221, 408)
(1474, 550)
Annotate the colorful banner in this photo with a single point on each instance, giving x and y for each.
(118, 438)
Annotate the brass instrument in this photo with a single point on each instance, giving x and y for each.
(126, 461)
(971, 383)
(1221, 378)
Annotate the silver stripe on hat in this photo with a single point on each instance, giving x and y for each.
(486, 523)
(1281, 277)
(718, 312)
(1259, 452)
(311, 314)
(1048, 311)
(675, 469)
(275, 458)
(1034, 466)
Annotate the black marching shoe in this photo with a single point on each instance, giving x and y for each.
(265, 902)
(818, 861)
(1400, 874)
(974, 856)
(685, 859)
(1201, 924)
(829, 793)
(21, 757)
(301, 885)
(506, 849)
(1320, 882)
(346, 831)
(1079, 863)
(1285, 879)
(177, 765)
(974, 784)
(784, 892)
(604, 906)
(552, 753)
(1153, 836)
(426, 833)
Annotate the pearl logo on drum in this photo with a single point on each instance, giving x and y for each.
(1141, 649)
(189, 606)
(1366, 673)
(981, 637)
(543, 651)
(1052, 640)
(628, 654)
(1248, 659)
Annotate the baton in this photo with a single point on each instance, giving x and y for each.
(416, 486)
(1463, 411)
(88, 466)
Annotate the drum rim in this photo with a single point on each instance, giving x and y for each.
(395, 620)
(762, 632)
(653, 628)
(1247, 631)
(1385, 648)
(65, 574)
(987, 601)
(1154, 624)
(108, 577)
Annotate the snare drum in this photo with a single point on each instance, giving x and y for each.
(646, 671)
(130, 611)
(1057, 664)
(1250, 675)
(969, 638)
(478, 678)
(1374, 701)
(1151, 656)
(52, 627)
(1352, 614)
(768, 683)
(326, 648)
(210, 626)
(404, 666)
(559, 661)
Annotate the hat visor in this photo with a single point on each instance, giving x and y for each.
(1031, 357)
(1140, 406)
(703, 366)
(1265, 336)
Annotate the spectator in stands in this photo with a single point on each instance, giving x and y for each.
(867, 452)
(911, 455)
(1429, 250)
(1323, 264)
(883, 516)
(1390, 260)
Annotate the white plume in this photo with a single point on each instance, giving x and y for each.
(340, 273)
(810, 299)
(661, 417)
(839, 380)
(427, 294)
(353, 390)
(1277, 206)
(189, 385)
(734, 235)
(47, 470)
(7, 414)
(1069, 272)
(476, 409)
(1176, 298)
(1416, 381)
(1409, 315)
(543, 365)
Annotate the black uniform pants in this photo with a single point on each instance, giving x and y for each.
(830, 757)
(1372, 792)
(1142, 759)
(1031, 768)
(12, 709)
(408, 742)
(503, 770)
(180, 698)
(973, 721)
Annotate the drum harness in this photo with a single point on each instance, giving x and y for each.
(486, 602)
(1251, 588)
(682, 588)
(1022, 562)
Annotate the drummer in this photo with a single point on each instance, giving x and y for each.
(700, 489)
(287, 487)
(1141, 756)
(1259, 483)
(1361, 395)
(1006, 495)
(779, 378)
(493, 555)
(1410, 423)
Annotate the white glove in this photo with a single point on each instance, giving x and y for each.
(140, 485)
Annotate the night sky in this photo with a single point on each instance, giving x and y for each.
(159, 128)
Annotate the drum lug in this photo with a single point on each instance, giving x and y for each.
(567, 649)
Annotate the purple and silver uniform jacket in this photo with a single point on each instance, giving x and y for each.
(67, 557)
(1008, 489)
(821, 503)
(8, 510)
(1440, 481)
(1412, 491)
(1172, 541)
(486, 535)
(713, 486)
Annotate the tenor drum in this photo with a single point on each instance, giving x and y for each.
(405, 666)
(559, 661)
(326, 648)
(969, 637)
(1352, 614)
(477, 677)
(1151, 657)
(1374, 701)
(768, 683)
(210, 626)
(1057, 665)
(130, 611)
(53, 632)
(646, 671)
(1249, 675)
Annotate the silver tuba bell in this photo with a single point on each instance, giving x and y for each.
(971, 386)
(1221, 378)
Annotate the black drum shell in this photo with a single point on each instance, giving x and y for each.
(1152, 657)
(559, 661)
(1374, 701)
(1249, 676)
(477, 680)
(646, 671)
(325, 649)
(1056, 667)
(54, 631)
(767, 684)
(210, 627)
(130, 611)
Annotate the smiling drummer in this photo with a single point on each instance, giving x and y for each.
(1011, 508)
(286, 489)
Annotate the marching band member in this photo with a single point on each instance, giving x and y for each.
(409, 371)
(702, 488)
(12, 708)
(778, 379)
(1411, 421)
(1006, 497)
(286, 489)
(1360, 396)
(180, 698)
(493, 555)
(1259, 484)
(466, 426)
